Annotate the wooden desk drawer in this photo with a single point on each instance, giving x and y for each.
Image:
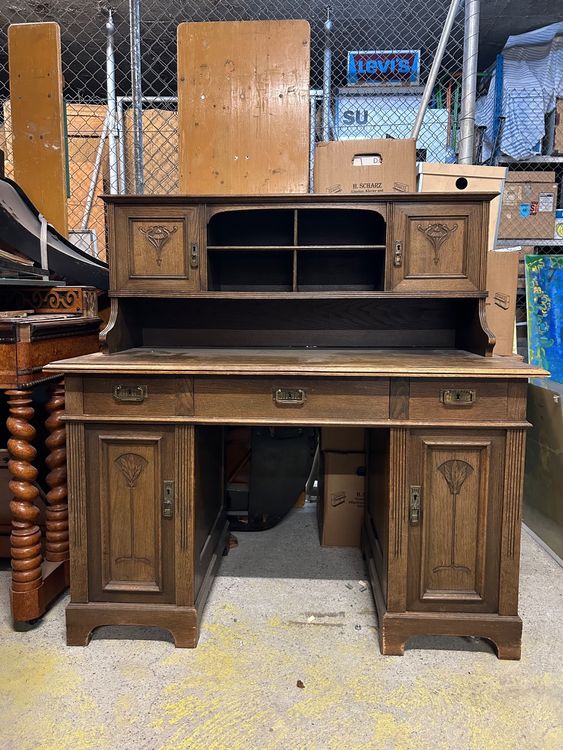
(465, 400)
(342, 399)
(139, 396)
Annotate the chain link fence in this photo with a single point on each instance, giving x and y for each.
(358, 109)
(355, 112)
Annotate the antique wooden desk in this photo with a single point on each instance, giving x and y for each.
(308, 310)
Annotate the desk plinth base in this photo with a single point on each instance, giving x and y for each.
(396, 628)
(181, 621)
(83, 619)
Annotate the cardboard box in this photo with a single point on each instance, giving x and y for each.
(371, 166)
(340, 509)
(343, 439)
(502, 282)
(558, 132)
(465, 178)
(528, 206)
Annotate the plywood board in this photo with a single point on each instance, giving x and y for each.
(36, 82)
(243, 103)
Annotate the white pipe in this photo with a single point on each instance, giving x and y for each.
(95, 174)
(469, 83)
(110, 85)
(121, 146)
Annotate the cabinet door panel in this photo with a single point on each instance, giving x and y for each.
(437, 248)
(131, 544)
(453, 550)
(157, 249)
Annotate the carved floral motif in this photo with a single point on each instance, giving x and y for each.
(437, 234)
(132, 466)
(455, 472)
(158, 236)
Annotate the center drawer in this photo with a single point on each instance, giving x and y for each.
(346, 400)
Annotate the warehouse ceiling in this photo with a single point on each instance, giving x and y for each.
(397, 24)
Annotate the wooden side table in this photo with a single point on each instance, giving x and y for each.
(40, 324)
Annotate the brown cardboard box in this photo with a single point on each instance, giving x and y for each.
(465, 178)
(558, 134)
(371, 166)
(528, 206)
(343, 439)
(502, 281)
(340, 509)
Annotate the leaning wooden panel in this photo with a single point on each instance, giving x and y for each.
(36, 94)
(243, 102)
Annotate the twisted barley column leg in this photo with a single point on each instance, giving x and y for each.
(57, 508)
(25, 539)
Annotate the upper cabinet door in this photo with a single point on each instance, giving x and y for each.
(156, 249)
(437, 247)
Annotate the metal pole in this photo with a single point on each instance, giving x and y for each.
(312, 131)
(433, 75)
(110, 86)
(121, 142)
(95, 174)
(137, 93)
(327, 75)
(469, 83)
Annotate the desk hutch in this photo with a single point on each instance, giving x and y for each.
(309, 310)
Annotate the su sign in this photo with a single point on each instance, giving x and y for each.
(388, 66)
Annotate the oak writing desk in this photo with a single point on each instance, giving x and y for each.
(309, 310)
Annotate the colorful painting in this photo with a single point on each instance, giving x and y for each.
(544, 294)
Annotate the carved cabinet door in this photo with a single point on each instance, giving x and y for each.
(130, 511)
(436, 247)
(455, 503)
(158, 249)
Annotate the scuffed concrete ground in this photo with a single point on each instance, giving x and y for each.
(284, 610)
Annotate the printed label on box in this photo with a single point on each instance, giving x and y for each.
(534, 206)
(525, 209)
(546, 202)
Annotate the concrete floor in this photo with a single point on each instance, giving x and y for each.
(284, 610)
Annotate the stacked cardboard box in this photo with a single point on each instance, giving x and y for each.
(340, 507)
(365, 166)
(528, 206)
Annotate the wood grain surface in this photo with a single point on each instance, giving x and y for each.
(373, 362)
(36, 95)
(243, 104)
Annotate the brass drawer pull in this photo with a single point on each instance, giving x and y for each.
(458, 396)
(130, 393)
(289, 396)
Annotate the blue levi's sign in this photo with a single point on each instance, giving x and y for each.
(387, 66)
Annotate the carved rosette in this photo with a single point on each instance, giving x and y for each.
(25, 540)
(57, 496)
(437, 234)
(158, 236)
